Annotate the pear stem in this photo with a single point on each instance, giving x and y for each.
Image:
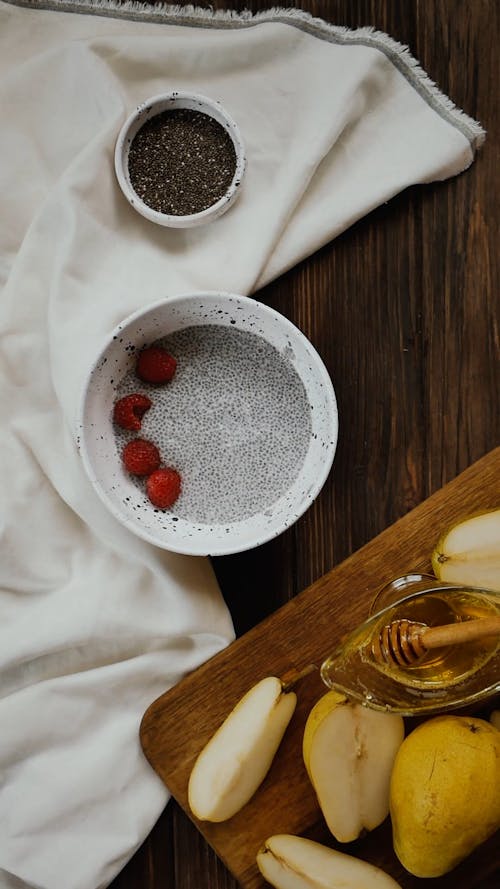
(293, 676)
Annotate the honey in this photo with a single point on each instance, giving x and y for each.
(450, 664)
(443, 679)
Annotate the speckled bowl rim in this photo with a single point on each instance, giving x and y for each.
(156, 105)
(201, 543)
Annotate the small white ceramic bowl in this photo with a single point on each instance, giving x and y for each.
(170, 102)
(270, 418)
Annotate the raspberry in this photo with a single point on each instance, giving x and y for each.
(163, 487)
(155, 365)
(128, 411)
(140, 457)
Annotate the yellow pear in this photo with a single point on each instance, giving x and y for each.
(349, 752)
(238, 756)
(445, 793)
(290, 862)
(469, 553)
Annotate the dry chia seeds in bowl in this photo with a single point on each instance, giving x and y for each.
(181, 162)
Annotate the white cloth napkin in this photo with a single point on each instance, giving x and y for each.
(94, 623)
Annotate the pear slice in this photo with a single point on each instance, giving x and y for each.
(290, 862)
(238, 756)
(349, 751)
(469, 553)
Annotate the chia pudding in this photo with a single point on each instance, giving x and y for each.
(234, 421)
(181, 162)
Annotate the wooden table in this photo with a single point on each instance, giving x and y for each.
(403, 308)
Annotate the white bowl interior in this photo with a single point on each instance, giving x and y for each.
(98, 440)
(168, 102)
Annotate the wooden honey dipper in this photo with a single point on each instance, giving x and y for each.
(404, 641)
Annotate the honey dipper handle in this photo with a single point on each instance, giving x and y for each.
(453, 634)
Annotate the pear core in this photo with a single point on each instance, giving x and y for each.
(469, 553)
(349, 752)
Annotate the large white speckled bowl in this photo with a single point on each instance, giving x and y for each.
(247, 411)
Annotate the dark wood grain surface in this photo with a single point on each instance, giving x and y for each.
(404, 309)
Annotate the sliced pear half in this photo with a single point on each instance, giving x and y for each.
(349, 751)
(290, 862)
(237, 758)
(469, 553)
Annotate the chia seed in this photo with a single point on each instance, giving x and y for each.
(181, 162)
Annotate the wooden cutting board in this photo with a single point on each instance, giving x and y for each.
(179, 723)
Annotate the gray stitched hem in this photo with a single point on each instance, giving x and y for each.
(192, 16)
